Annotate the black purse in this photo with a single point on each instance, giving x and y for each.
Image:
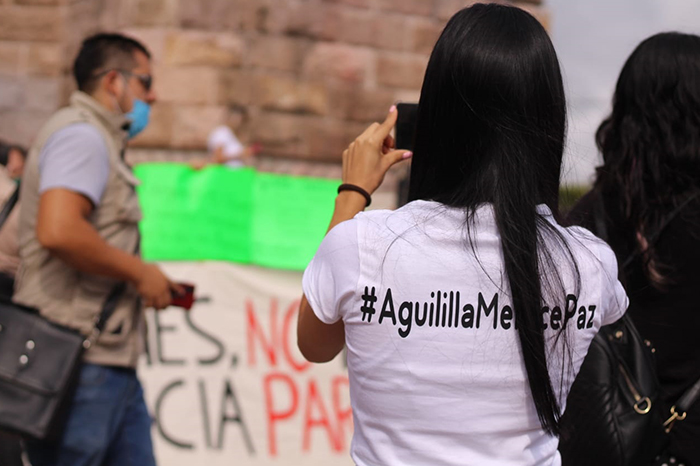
(613, 412)
(614, 415)
(39, 366)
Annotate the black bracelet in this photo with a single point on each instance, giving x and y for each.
(357, 189)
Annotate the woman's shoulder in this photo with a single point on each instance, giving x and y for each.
(584, 211)
(586, 247)
(411, 214)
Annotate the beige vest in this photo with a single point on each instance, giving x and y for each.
(62, 293)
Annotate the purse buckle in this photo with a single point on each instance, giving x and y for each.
(90, 340)
(643, 405)
(674, 417)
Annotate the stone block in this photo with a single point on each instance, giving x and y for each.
(43, 94)
(236, 88)
(21, 125)
(159, 131)
(281, 134)
(39, 2)
(292, 17)
(152, 12)
(11, 92)
(445, 9)
(153, 38)
(30, 23)
(360, 105)
(187, 85)
(278, 128)
(223, 50)
(328, 138)
(289, 95)
(227, 15)
(423, 34)
(12, 57)
(80, 20)
(401, 70)
(250, 15)
(192, 125)
(205, 14)
(339, 63)
(392, 32)
(411, 7)
(303, 19)
(355, 26)
(278, 53)
(45, 59)
(356, 3)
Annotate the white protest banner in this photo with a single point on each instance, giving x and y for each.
(226, 383)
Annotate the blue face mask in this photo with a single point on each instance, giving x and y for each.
(139, 116)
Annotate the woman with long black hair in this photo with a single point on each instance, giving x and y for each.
(646, 197)
(467, 312)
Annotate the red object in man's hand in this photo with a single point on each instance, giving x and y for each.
(186, 299)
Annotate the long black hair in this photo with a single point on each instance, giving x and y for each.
(651, 141)
(490, 129)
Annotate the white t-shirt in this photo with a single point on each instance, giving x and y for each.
(223, 136)
(449, 387)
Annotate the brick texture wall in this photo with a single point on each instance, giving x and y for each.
(302, 77)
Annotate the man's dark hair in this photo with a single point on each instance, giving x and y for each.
(104, 52)
(5, 150)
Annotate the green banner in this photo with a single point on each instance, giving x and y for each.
(236, 215)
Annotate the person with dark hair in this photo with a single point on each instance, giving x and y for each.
(646, 197)
(79, 244)
(12, 160)
(11, 168)
(467, 312)
(12, 157)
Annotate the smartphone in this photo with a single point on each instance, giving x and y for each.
(185, 300)
(406, 125)
(405, 139)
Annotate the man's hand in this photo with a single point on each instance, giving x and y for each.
(155, 288)
(63, 229)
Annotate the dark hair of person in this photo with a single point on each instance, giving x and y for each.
(104, 52)
(5, 150)
(651, 141)
(490, 129)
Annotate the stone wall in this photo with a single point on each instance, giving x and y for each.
(302, 77)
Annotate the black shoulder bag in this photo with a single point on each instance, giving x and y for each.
(613, 414)
(39, 365)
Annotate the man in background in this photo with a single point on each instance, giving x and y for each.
(12, 160)
(79, 240)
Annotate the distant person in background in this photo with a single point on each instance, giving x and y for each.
(646, 197)
(225, 149)
(12, 158)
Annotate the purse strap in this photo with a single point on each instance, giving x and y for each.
(679, 411)
(109, 306)
(9, 205)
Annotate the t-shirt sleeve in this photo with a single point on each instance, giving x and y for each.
(75, 158)
(613, 296)
(330, 280)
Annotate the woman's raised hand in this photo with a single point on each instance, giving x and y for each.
(369, 157)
